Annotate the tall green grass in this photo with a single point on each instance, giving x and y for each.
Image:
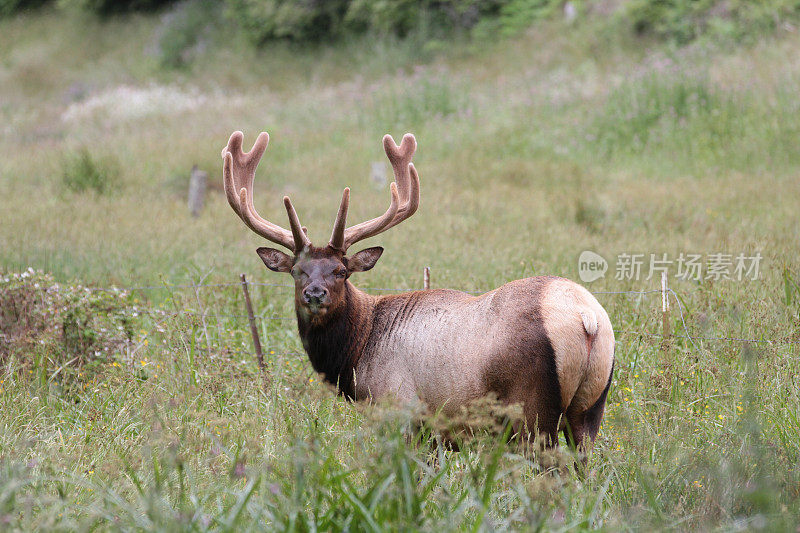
(590, 143)
(695, 124)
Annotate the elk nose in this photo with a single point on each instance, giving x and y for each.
(314, 294)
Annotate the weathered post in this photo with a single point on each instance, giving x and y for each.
(254, 330)
(665, 325)
(378, 174)
(197, 190)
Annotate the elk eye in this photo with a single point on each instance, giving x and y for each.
(340, 273)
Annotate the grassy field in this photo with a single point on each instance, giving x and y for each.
(531, 150)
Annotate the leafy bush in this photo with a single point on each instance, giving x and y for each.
(61, 329)
(685, 20)
(83, 172)
(267, 20)
(307, 20)
(401, 17)
(516, 15)
(9, 7)
(109, 7)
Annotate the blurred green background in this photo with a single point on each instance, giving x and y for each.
(545, 128)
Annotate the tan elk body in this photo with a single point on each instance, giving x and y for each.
(542, 342)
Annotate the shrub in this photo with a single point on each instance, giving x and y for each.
(685, 20)
(110, 7)
(83, 172)
(61, 330)
(401, 17)
(10, 7)
(517, 15)
(309, 21)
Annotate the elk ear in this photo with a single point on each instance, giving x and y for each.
(275, 259)
(364, 260)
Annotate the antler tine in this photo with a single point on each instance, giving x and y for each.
(337, 235)
(245, 163)
(411, 202)
(406, 183)
(298, 234)
(404, 174)
(367, 229)
(238, 172)
(400, 158)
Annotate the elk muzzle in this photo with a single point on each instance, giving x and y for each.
(315, 296)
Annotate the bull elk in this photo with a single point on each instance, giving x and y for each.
(542, 342)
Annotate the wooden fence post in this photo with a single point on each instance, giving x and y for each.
(378, 174)
(665, 325)
(254, 330)
(197, 191)
(426, 278)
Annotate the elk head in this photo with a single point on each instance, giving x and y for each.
(320, 273)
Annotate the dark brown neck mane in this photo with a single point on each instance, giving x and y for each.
(335, 344)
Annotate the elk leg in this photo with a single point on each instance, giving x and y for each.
(542, 418)
(582, 427)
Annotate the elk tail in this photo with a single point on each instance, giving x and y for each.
(589, 318)
(589, 322)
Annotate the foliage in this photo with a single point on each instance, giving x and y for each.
(678, 20)
(402, 17)
(518, 15)
(685, 20)
(84, 172)
(110, 7)
(10, 7)
(61, 330)
(266, 20)
(309, 21)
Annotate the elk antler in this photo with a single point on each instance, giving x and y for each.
(404, 191)
(238, 172)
